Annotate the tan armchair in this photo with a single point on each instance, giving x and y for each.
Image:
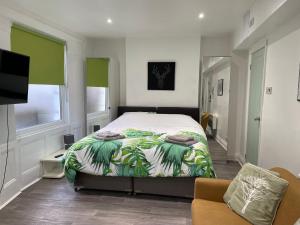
(204, 120)
(208, 207)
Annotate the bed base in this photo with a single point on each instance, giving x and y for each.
(168, 186)
(87, 181)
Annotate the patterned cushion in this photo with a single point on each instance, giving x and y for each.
(257, 195)
(234, 184)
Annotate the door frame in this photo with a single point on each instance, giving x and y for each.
(259, 45)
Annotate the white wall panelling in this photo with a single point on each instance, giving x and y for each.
(77, 130)
(27, 149)
(34, 147)
(101, 119)
(11, 183)
(25, 153)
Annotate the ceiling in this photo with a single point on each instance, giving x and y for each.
(134, 18)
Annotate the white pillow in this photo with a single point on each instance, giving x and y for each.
(132, 113)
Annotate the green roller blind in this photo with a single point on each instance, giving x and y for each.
(97, 72)
(46, 55)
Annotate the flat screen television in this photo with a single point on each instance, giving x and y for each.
(14, 75)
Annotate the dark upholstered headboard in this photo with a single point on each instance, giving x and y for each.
(192, 112)
(123, 109)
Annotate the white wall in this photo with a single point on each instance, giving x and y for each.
(5, 44)
(237, 105)
(216, 46)
(27, 149)
(219, 105)
(260, 12)
(184, 51)
(280, 130)
(279, 137)
(222, 46)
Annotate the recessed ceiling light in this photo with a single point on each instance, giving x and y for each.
(109, 20)
(201, 15)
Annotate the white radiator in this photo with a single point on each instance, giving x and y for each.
(212, 124)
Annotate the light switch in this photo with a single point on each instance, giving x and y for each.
(269, 90)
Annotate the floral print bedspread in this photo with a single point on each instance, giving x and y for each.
(140, 154)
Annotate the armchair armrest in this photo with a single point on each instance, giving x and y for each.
(211, 189)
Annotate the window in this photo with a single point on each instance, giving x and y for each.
(46, 77)
(97, 84)
(96, 99)
(43, 106)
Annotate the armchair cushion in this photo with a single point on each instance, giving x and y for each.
(206, 212)
(211, 189)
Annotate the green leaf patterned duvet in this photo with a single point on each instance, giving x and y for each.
(143, 152)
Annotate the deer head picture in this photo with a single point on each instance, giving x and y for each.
(161, 75)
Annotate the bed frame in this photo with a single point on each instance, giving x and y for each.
(169, 186)
(192, 112)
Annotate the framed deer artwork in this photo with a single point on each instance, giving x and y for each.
(161, 75)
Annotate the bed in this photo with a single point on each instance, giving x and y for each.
(142, 162)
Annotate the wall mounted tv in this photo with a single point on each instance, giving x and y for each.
(14, 75)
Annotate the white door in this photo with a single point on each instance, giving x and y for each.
(255, 103)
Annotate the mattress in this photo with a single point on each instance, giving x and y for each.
(144, 152)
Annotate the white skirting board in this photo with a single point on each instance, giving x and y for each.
(240, 159)
(17, 194)
(9, 200)
(221, 141)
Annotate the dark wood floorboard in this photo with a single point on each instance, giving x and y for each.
(54, 202)
(224, 169)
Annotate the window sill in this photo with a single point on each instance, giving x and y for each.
(39, 129)
(96, 115)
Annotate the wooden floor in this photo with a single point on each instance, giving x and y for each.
(224, 169)
(55, 202)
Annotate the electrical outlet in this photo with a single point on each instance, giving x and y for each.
(269, 90)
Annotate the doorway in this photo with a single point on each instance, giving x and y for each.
(255, 105)
(215, 96)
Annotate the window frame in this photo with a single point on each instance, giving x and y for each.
(64, 109)
(97, 114)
